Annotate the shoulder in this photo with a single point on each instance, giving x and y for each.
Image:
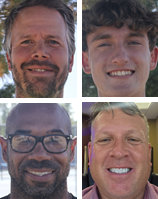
(89, 191)
(5, 197)
(151, 191)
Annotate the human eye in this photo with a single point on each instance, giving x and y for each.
(21, 138)
(104, 45)
(133, 140)
(104, 140)
(134, 43)
(26, 42)
(53, 139)
(53, 42)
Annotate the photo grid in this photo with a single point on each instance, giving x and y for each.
(51, 92)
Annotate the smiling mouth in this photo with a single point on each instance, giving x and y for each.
(121, 73)
(39, 70)
(40, 173)
(120, 170)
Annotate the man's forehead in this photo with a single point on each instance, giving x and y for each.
(108, 123)
(38, 22)
(36, 10)
(41, 15)
(38, 116)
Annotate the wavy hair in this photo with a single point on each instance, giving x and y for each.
(117, 13)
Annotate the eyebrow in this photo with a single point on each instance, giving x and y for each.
(101, 36)
(55, 131)
(48, 132)
(130, 131)
(24, 36)
(47, 36)
(136, 34)
(53, 36)
(108, 36)
(22, 131)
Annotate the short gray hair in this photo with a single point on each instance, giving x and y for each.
(129, 108)
(58, 5)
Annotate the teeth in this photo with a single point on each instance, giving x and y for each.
(39, 70)
(121, 170)
(39, 173)
(121, 73)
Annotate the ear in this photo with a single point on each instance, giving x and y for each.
(3, 142)
(89, 152)
(154, 57)
(149, 145)
(8, 62)
(71, 63)
(85, 63)
(73, 144)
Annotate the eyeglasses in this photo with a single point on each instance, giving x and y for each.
(54, 143)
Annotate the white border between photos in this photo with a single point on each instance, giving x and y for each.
(79, 99)
(120, 99)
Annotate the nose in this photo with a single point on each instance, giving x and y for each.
(120, 56)
(40, 51)
(119, 150)
(39, 153)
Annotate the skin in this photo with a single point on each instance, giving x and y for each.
(111, 50)
(44, 43)
(23, 184)
(119, 142)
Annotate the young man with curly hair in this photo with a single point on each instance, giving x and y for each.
(119, 38)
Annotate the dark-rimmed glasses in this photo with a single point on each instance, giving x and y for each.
(53, 143)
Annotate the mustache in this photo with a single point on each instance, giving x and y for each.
(34, 164)
(54, 67)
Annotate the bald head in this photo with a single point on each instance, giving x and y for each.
(38, 115)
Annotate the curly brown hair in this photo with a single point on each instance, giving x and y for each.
(117, 13)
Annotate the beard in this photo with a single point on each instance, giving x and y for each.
(39, 190)
(40, 87)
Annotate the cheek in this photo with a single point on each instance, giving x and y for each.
(13, 164)
(59, 57)
(63, 158)
(142, 59)
(20, 55)
(98, 156)
(141, 157)
(99, 60)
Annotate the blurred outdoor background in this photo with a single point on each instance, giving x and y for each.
(7, 87)
(4, 176)
(88, 86)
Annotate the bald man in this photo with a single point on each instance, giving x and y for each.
(38, 149)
